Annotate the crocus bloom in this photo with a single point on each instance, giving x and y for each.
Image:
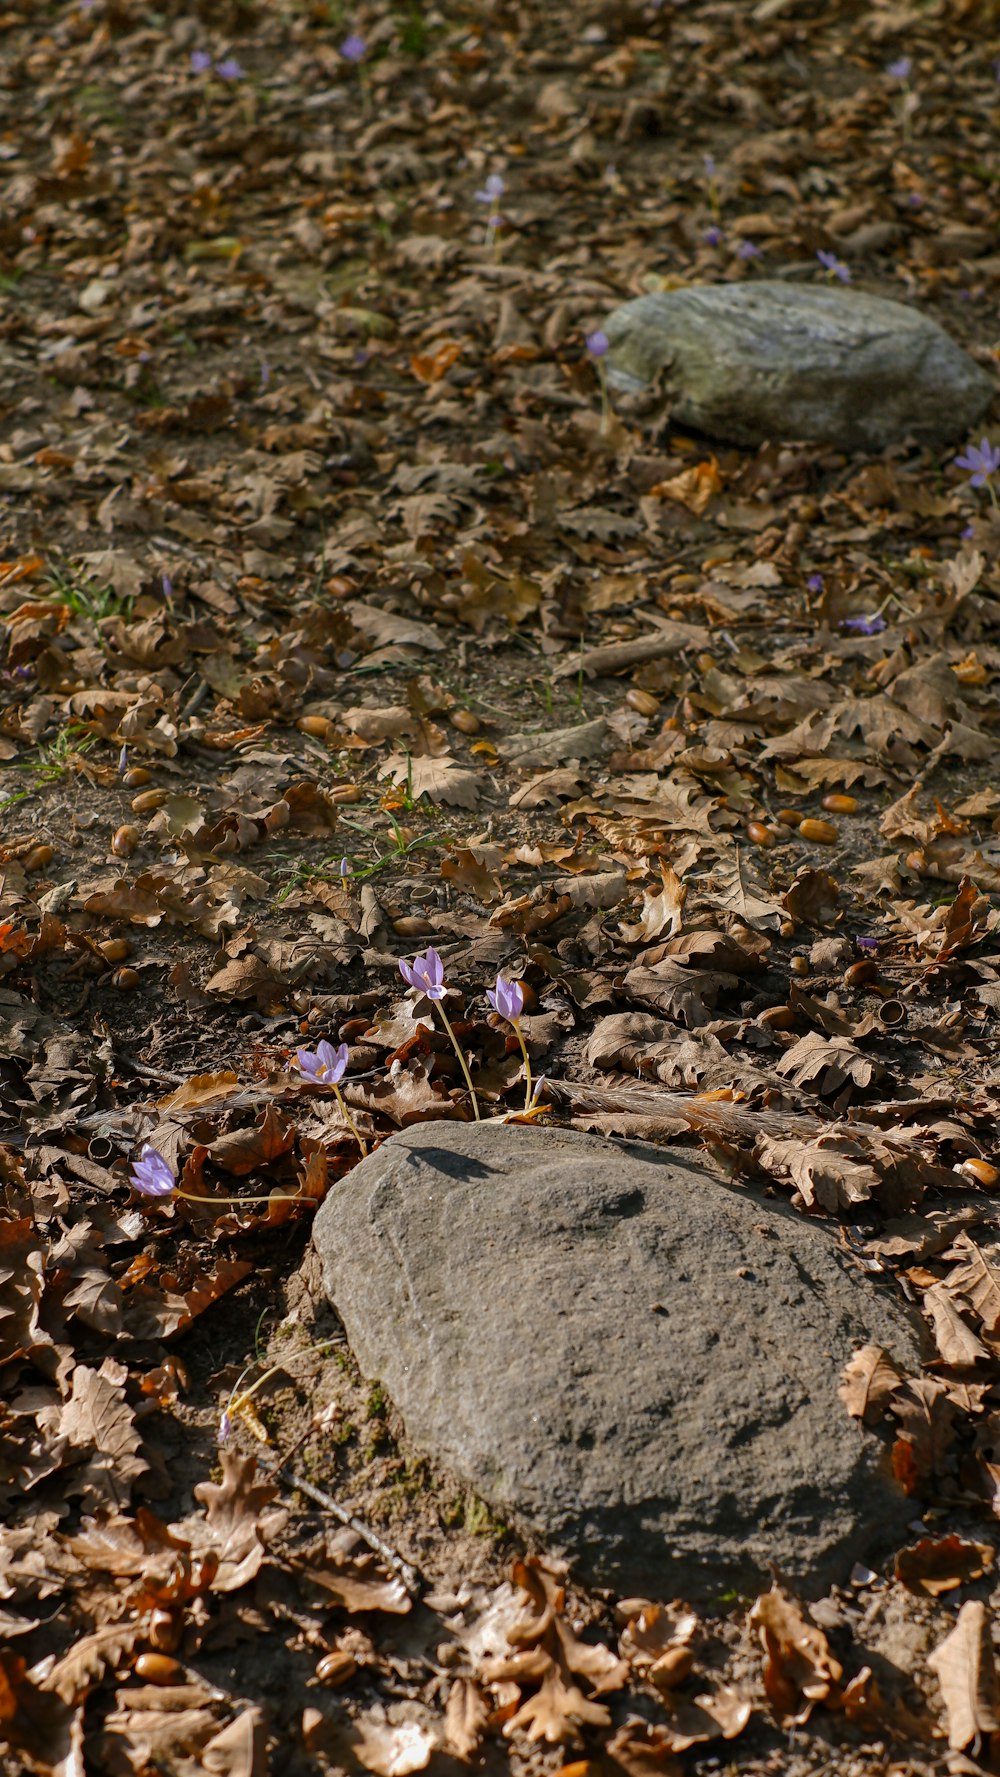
(426, 972)
(229, 69)
(815, 583)
(353, 48)
(151, 1175)
(507, 999)
(492, 190)
(123, 761)
(712, 236)
(326, 1065)
(225, 1426)
(900, 69)
(982, 460)
(201, 61)
(863, 626)
(597, 343)
(747, 250)
(831, 263)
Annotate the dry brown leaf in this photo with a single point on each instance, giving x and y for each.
(466, 1715)
(977, 1278)
(661, 911)
(394, 1749)
(200, 1090)
(869, 1380)
(98, 1422)
(440, 780)
(938, 1564)
(237, 1523)
(963, 1663)
(799, 1669)
(956, 1342)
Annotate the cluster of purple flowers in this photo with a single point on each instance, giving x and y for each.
(228, 69)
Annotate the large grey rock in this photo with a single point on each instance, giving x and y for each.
(631, 1361)
(754, 361)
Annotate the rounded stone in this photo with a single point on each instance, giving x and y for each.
(633, 1363)
(769, 360)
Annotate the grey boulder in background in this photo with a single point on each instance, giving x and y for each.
(770, 360)
(633, 1363)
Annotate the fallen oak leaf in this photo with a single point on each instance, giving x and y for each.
(963, 1664)
(440, 780)
(465, 1717)
(868, 1381)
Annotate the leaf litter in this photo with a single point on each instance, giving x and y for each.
(337, 623)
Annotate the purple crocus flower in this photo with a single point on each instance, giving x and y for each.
(426, 972)
(832, 264)
(201, 61)
(863, 626)
(151, 1175)
(507, 999)
(230, 69)
(982, 461)
(492, 192)
(712, 236)
(225, 1426)
(866, 943)
(325, 1065)
(815, 583)
(747, 250)
(353, 48)
(598, 343)
(900, 69)
(123, 761)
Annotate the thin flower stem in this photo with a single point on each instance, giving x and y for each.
(191, 1197)
(527, 1063)
(602, 377)
(463, 1064)
(349, 1120)
(240, 1395)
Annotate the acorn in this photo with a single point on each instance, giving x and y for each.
(337, 1667)
(672, 1668)
(158, 1669)
(777, 1018)
(835, 803)
(38, 857)
(980, 1170)
(466, 721)
(789, 817)
(345, 793)
(643, 702)
(758, 834)
(320, 727)
(860, 972)
(115, 950)
(820, 832)
(136, 776)
(147, 800)
(126, 980)
(412, 925)
(124, 841)
(799, 965)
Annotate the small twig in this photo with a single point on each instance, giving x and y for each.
(411, 1578)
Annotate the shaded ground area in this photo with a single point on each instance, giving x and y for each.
(336, 623)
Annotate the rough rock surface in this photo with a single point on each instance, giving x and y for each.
(633, 1362)
(770, 360)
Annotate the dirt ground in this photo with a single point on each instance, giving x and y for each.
(337, 623)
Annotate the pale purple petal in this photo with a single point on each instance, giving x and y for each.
(151, 1175)
(598, 343)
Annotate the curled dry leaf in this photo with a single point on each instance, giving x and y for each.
(938, 1564)
(963, 1663)
(394, 1749)
(799, 1669)
(466, 1715)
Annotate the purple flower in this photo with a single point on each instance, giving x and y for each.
(326, 1065)
(863, 626)
(831, 263)
(229, 69)
(225, 1426)
(866, 943)
(507, 999)
(344, 868)
(900, 69)
(492, 192)
(201, 61)
(982, 460)
(597, 343)
(425, 972)
(123, 761)
(712, 236)
(815, 583)
(708, 162)
(151, 1175)
(747, 250)
(166, 586)
(353, 48)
